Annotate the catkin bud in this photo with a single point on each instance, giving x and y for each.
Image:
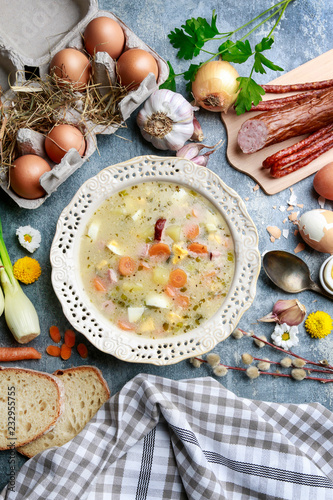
(260, 344)
(220, 371)
(298, 363)
(298, 374)
(247, 358)
(286, 362)
(213, 359)
(252, 372)
(264, 366)
(237, 334)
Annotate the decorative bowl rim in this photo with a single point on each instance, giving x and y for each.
(106, 336)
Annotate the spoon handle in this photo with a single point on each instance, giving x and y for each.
(316, 288)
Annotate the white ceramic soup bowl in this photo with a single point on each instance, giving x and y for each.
(85, 317)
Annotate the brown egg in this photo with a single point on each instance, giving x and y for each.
(25, 174)
(323, 181)
(61, 139)
(103, 34)
(134, 65)
(71, 65)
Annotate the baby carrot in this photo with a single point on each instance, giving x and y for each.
(18, 353)
(82, 350)
(191, 231)
(177, 278)
(160, 250)
(55, 334)
(197, 248)
(127, 266)
(53, 350)
(99, 285)
(65, 352)
(70, 338)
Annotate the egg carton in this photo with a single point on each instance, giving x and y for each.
(41, 29)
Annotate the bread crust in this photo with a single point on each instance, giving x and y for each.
(30, 452)
(61, 399)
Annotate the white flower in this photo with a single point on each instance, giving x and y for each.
(29, 238)
(285, 336)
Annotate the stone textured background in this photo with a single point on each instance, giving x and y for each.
(304, 33)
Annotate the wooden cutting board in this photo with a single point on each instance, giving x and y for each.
(320, 68)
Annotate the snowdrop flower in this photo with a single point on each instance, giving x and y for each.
(29, 238)
(285, 336)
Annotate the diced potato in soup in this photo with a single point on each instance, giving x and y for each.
(161, 262)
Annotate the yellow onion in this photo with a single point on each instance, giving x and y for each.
(215, 86)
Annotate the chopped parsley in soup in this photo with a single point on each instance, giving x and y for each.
(157, 259)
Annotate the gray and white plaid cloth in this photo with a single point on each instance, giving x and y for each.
(164, 439)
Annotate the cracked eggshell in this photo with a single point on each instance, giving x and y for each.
(316, 229)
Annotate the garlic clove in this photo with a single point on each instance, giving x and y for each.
(197, 133)
(290, 311)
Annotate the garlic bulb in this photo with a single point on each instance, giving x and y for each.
(166, 120)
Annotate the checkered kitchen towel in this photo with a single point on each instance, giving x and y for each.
(164, 439)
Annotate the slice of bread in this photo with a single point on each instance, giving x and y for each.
(31, 402)
(85, 392)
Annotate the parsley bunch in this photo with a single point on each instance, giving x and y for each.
(195, 33)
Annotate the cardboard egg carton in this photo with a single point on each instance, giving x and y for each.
(42, 29)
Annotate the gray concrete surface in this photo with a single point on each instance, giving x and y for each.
(304, 33)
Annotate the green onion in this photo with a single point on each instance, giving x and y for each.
(20, 314)
(2, 302)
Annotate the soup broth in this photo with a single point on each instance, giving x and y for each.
(157, 259)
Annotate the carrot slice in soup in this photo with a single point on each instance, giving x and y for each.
(99, 285)
(183, 301)
(191, 231)
(178, 278)
(127, 266)
(160, 250)
(197, 248)
(125, 325)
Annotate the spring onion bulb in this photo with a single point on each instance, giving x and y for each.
(20, 313)
(215, 86)
(2, 301)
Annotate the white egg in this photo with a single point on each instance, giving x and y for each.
(316, 229)
(328, 274)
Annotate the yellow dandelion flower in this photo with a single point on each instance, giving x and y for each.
(318, 324)
(27, 270)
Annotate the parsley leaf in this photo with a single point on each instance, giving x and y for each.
(193, 36)
(190, 75)
(170, 82)
(250, 92)
(238, 52)
(260, 61)
(265, 44)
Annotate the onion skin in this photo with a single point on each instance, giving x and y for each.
(215, 87)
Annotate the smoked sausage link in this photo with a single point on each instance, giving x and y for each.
(302, 117)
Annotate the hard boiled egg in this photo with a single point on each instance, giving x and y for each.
(328, 274)
(316, 229)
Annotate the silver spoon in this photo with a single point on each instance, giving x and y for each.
(290, 273)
